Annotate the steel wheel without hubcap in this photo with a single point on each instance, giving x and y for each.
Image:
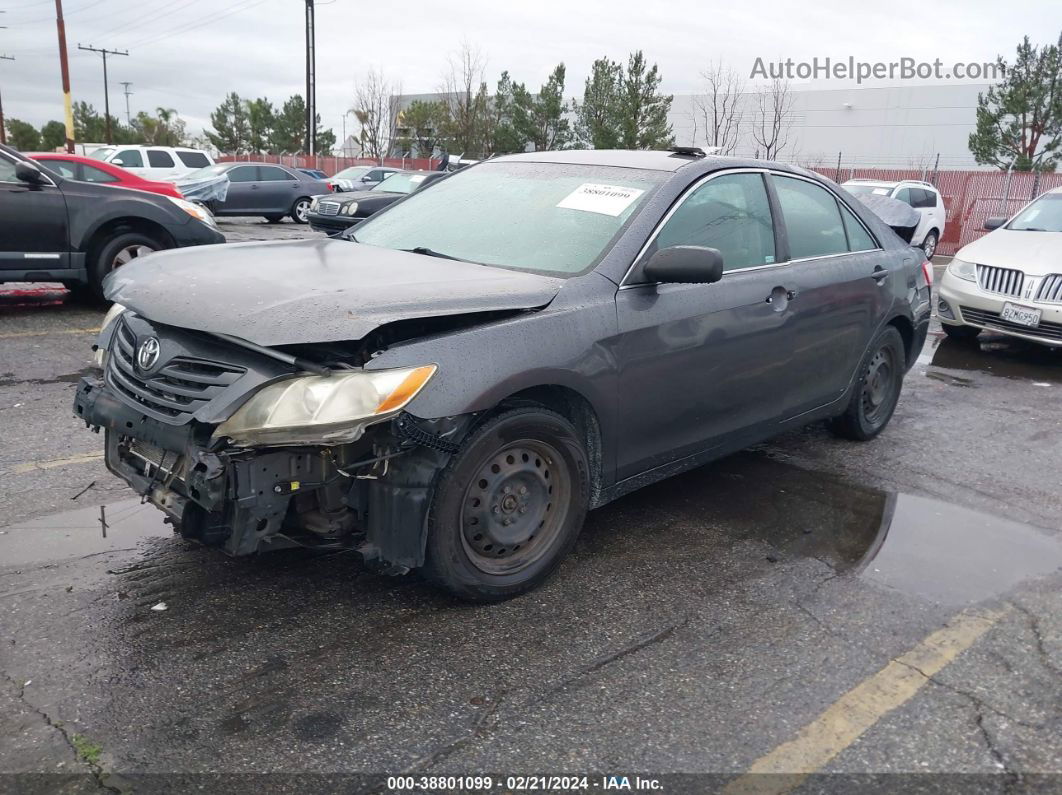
(879, 392)
(129, 253)
(514, 507)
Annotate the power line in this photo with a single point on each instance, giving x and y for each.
(106, 92)
(208, 20)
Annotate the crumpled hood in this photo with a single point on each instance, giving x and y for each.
(1035, 253)
(304, 291)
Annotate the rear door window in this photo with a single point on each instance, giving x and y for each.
(729, 213)
(273, 174)
(812, 219)
(64, 168)
(904, 195)
(157, 158)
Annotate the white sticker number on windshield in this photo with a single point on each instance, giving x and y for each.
(604, 199)
(418, 178)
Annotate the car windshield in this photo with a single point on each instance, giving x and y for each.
(1043, 215)
(102, 152)
(352, 173)
(400, 182)
(867, 190)
(540, 217)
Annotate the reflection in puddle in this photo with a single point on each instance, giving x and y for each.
(1003, 357)
(924, 547)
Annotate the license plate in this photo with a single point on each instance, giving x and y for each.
(1022, 315)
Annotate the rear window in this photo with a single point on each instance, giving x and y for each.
(194, 159)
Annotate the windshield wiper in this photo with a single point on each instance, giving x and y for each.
(427, 252)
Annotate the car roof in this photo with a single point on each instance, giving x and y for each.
(655, 160)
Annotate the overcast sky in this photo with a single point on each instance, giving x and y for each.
(187, 54)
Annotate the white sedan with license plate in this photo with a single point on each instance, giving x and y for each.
(1010, 280)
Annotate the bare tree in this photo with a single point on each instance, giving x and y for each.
(464, 89)
(718, 109)
(376, 107)
(773, 118)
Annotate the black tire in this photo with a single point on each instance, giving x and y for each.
(508, 507)
(929, 245)
(118, 251)
(299, 210)
(877, 390)
(274, 219)
(961, 333)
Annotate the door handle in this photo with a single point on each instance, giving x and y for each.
(778, 292)
(880, 274)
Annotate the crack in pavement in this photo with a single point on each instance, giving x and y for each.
(95, 770)
(1041, 647)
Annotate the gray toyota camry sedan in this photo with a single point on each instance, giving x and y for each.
(454, 384)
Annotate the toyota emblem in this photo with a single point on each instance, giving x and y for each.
(148, 353)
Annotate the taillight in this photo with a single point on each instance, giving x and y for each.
(927, 271)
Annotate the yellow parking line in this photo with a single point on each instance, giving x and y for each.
(861, 707)
(32, 466)
(10, 335)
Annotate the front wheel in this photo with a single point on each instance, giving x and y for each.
(508, 507)
(877, 391)
(300, 210)
(116, 252)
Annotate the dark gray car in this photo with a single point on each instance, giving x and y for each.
(265, 189)
(533, 337)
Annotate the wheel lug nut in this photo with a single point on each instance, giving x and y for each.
(523, 510)
(495, 509)
(523, 489)
(508, 489)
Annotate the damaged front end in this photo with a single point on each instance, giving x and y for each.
(240, 451)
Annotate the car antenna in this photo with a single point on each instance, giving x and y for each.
(688, 151)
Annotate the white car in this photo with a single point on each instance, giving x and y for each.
(164, 163)
(1010, 280)
(921, 196)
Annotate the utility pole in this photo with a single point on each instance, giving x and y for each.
(128, 118)
(311, 82)
(106, 92)
(64, 67)
(3, 132)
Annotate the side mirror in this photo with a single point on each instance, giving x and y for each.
(28, 172)
(685, 265)
(994, 222)
(367, 178)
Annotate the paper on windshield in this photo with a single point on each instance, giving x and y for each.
(417, 178)
(604, 199)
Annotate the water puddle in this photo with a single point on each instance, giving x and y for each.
(935, 550)
(994, 355)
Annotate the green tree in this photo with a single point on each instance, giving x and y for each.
(420, 127)
(1019, 120)
(548, 125)
(597, 118)
(289, 126)
(165, 128)
(643, 110)
(261, 117)
(512, 116)
(231, 134)
(22, 135)
(53, 136)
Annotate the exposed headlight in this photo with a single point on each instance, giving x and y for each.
(99, 359)
(323, 409)
(350, 209)
(961, 269)
(313, 204)
(196, 211)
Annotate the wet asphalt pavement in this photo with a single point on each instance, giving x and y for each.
(813, 604)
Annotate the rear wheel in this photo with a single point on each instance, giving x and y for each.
(508, 506)
(929, 245)
(116, 252)
(877, 391)
(300, 210)
(960, 332)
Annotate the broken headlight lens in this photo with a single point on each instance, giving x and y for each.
(961, 269)
(100, 357)
(323, 409)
